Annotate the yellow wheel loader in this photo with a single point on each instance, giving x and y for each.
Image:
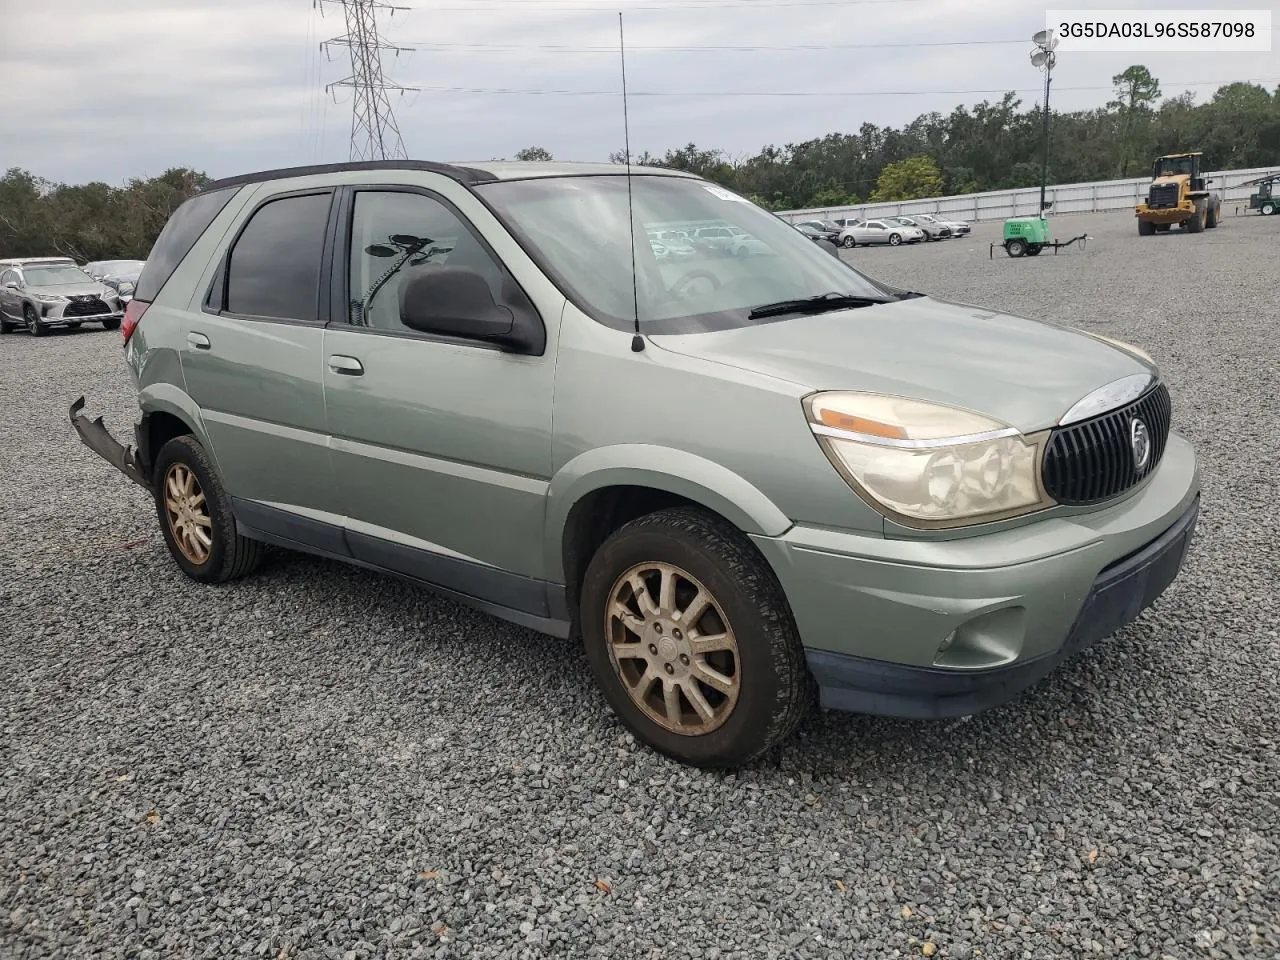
(1180, 194)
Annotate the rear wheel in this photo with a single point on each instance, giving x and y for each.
(195, 516)
(1147, 229)
(690, 637)
(1015, 248)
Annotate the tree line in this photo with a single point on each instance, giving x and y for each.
(996, 146)
(989, 146)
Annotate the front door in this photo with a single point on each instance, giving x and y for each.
(441, 447)
(252, 357)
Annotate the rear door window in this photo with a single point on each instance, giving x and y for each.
(274, 268)
(185, 227)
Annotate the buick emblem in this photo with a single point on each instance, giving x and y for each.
(1140, 441)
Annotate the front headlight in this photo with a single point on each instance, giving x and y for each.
(48, 298)
(925, 464)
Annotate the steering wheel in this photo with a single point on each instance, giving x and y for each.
(677, 288)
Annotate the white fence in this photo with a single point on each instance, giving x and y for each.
(1066, 198)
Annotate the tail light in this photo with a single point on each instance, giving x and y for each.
(133, 312)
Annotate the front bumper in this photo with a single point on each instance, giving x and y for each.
(1119, 594)
(934, 628)
(95, 436)
(1164, 214)
(52, 315)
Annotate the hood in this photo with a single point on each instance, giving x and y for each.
(90, 288)
(1025, 373)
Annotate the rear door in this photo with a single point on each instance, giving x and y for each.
(252, 357)
(441, 446)
(10, 305)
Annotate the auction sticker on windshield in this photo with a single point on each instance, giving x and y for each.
(722, 193)
(1154, 31)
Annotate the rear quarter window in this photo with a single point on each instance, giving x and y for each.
(185, 227)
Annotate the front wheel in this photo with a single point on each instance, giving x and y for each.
(894, 240)
(690, 638)
(34, 325)
(1267, 209)
(1015, 248)
(848, 243)
(195, 516)
(1146, 228)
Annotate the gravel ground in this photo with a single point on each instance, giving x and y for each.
(319, 762)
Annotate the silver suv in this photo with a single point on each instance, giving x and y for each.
(41, 295)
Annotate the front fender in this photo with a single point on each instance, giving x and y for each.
(659, 468)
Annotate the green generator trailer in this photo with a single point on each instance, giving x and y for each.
(1027, 236)
(1266, 198)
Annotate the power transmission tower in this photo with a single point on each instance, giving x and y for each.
(375, 135)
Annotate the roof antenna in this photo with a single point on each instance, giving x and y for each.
(637, 341)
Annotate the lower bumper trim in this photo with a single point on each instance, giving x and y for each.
(95, 436)
(1119, 594)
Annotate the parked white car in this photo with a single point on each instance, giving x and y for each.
(959, 228)
(880, 231)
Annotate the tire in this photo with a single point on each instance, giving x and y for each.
(1015, 248)
(772, 689)
(1146, 228)
(227, 556)
(1195, 223)
(895, 240)
(1211, 218)
(113, 324)
(34, 326)
(1034, 251)
(848, 242)
(1267, 209)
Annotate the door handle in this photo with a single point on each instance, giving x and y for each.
(198, 340)
(347, 366)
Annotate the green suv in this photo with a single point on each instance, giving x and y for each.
(738, 480)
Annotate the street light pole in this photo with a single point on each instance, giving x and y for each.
(1044, 166)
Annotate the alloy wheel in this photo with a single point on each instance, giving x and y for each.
(188, 513)
(673, 649)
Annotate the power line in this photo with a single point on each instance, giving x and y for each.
(375, 135)
(731, 48)
(490, 6)
(513, 91)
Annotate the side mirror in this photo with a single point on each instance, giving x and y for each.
(455, 301)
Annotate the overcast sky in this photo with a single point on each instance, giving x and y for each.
(99, 90)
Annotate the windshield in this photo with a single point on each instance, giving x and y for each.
(113, 268)
(1173, 166)
(743, 257)
(54, 276)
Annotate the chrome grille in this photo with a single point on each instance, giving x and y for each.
(1094, 460)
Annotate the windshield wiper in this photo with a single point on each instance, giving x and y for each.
(819, 304)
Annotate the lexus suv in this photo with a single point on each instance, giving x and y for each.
(41, 295)
(738, 482)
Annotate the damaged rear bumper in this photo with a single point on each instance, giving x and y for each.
(95, 436)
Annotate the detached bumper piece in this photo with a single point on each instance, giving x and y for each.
(95, 436)
(1119, 594)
